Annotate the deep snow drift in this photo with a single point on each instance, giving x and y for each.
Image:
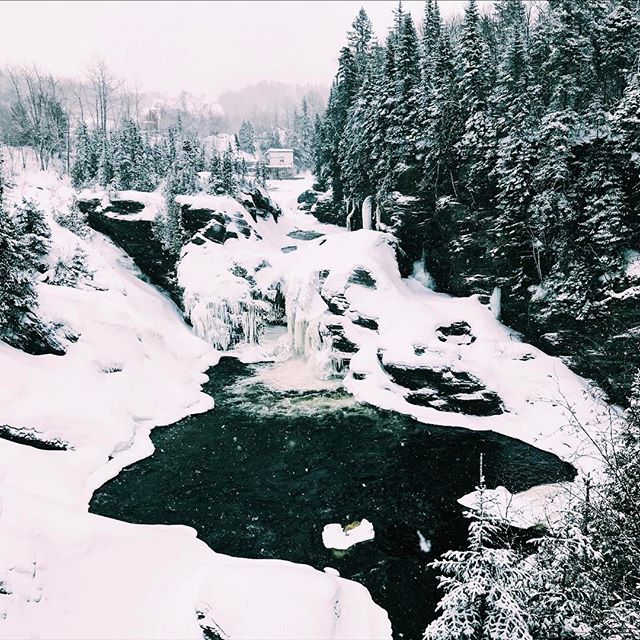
(135, 365)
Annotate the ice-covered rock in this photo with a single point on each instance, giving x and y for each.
(335, 536)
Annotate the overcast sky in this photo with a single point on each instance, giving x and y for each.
(203, 47)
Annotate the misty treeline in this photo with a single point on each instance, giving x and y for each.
(502, 149)
(101, 134)
(56, 116)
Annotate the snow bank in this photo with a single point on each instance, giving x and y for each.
(134, 366)
(541, 505)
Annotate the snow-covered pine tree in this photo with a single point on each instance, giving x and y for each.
(620, 39)
(562, 585)
(34, 231)
(229, 181)
(72, 270)
(85, 165)
(18, 295)
(183, 174)
(432, 26)
(215, 174)
(484, 586)
(73, 219)
(168, 227)
(360, 39)
(402, 132)
(246, 137)
(106, 174)
(358, 148)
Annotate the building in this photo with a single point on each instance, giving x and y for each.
(279, 163)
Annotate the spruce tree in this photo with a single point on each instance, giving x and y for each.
(484, 586)
(246, 137)
(215, 174)
(106, 172)
(85, 165)
(35, 234)
(18, 295)
(229, 182)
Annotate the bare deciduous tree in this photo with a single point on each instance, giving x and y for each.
(39, 119)
(104, 84)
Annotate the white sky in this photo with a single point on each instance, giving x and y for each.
(203, 47)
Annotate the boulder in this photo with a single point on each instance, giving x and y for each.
(456, 332)
(124, 207)
(445, 389)
(363, 277)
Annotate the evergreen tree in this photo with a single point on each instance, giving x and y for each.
(72, 270)
(106, 172)
(34, 232)
(620, 43)
(18, 295)
(485, 593)
(246, 137)
(229, 182)
(360, 39)
(169, 227)
(85, 166)
(215, 174)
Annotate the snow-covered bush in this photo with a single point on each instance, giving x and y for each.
(72, 270)
(74, 220)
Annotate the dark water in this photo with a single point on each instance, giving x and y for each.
(261, 474)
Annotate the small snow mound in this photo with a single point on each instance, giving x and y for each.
(335, 536)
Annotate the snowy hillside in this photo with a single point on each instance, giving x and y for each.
(74, 421)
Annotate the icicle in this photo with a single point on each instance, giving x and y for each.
(495, 302)
(351, 209)
(366, 213)
(378, 217)
(224, 323)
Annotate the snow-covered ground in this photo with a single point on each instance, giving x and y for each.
(65, 573)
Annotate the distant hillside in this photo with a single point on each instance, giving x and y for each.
(269, 104)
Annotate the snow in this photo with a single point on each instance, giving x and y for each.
(541, 505)
(335, 536)
(135, 366)
(153, 202)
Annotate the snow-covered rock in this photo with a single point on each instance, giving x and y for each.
(335, 536)
(541, 505)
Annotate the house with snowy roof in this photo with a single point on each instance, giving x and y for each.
(279, 163)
